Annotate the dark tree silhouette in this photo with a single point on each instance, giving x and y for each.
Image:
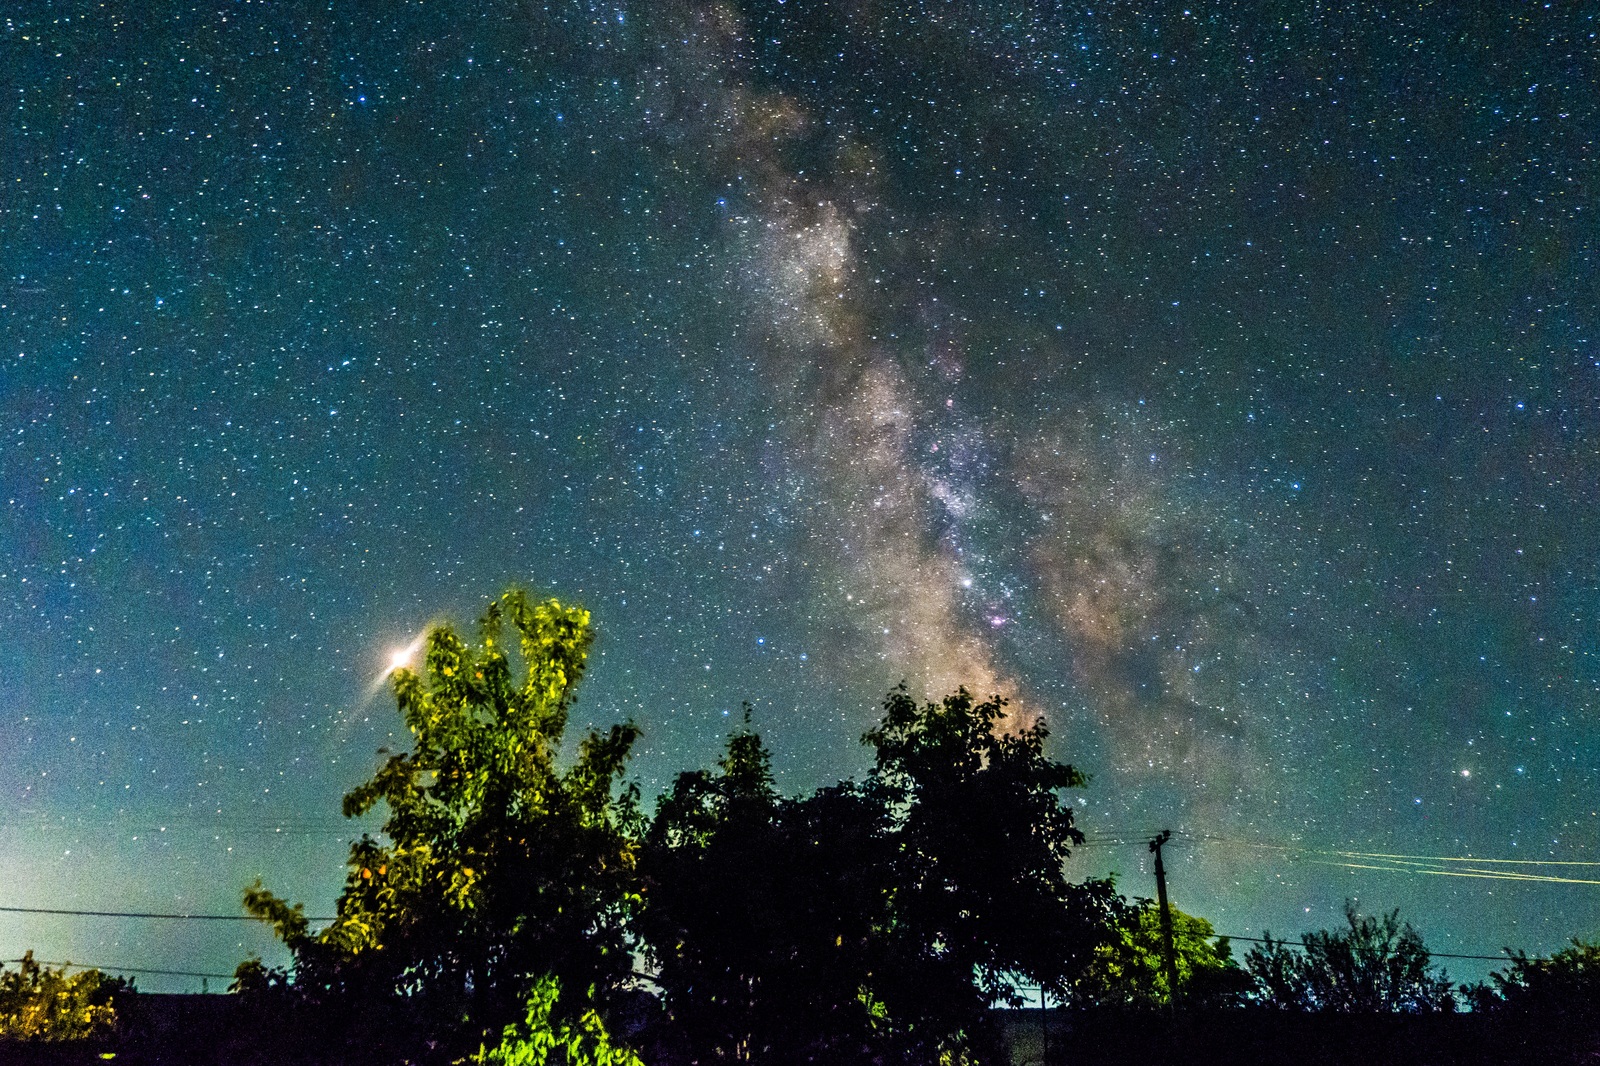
(979, 897)
(1375, 965)
(873, 923)
(1564, 987)
(761, 912)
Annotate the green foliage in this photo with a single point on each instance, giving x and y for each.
(1128, 970)
(1565, 986)
(542, 1040)
(49, 1004)
(1375, 965)
(499, 865)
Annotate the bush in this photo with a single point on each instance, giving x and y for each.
(39, 1002)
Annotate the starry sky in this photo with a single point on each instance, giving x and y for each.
(1219, 383)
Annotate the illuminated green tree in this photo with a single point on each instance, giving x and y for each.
(541, 1039)
(499, 868)
(1128, 970)
(47, 1003)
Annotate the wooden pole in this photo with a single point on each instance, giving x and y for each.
(1168, 950)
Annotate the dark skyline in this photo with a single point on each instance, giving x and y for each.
(1219, 383)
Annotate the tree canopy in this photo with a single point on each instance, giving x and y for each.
(762, 913)
(49, 1003)
(500, 867)
(868, 922)
(1127, 969)
(518, 903)
(1563, 987)
(980, 837)
(1373, 965)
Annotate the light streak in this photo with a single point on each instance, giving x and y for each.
(1486, 875)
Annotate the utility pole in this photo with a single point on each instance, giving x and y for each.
(1044, 1027)
(1168, 951)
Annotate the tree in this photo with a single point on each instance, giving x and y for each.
(1127, 970)
(1565, 986)
(980, 899)
(500, 868)
(761, 913)
(873, 923)
(39, 1002)
(1375, 965)
(542, 1040)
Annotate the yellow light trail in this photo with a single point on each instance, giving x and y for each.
(1436, 865)
(1486, 875)
(1465, 858)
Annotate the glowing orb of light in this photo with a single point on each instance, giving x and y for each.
(402, 658)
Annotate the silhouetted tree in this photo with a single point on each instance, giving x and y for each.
(979, 897)
(500, 868)
(874, 923)
(1374, 965)
(760, 914)
(1564, 987)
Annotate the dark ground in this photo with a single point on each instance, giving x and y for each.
(163, 1030)
(1249, 1038)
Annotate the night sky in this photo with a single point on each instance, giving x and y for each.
(1221, 383)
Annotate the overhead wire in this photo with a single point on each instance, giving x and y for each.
(1393, 856)
(1387, 862)
(124, 969)
(1297, 946)
(186, 828)
(1433, 871)
(1472, 858)
(145, 914)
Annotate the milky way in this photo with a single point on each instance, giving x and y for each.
(1219, 385)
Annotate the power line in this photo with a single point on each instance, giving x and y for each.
(189, 822)
(1112, 841)
(1486, 875)
(1414, 864)
(111, 969)
(124, 969)
(1469, 858)
(1301, 947)
(248, 918)
(145, 914)
(1438, 866)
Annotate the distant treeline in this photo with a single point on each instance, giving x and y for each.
(521, 908)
